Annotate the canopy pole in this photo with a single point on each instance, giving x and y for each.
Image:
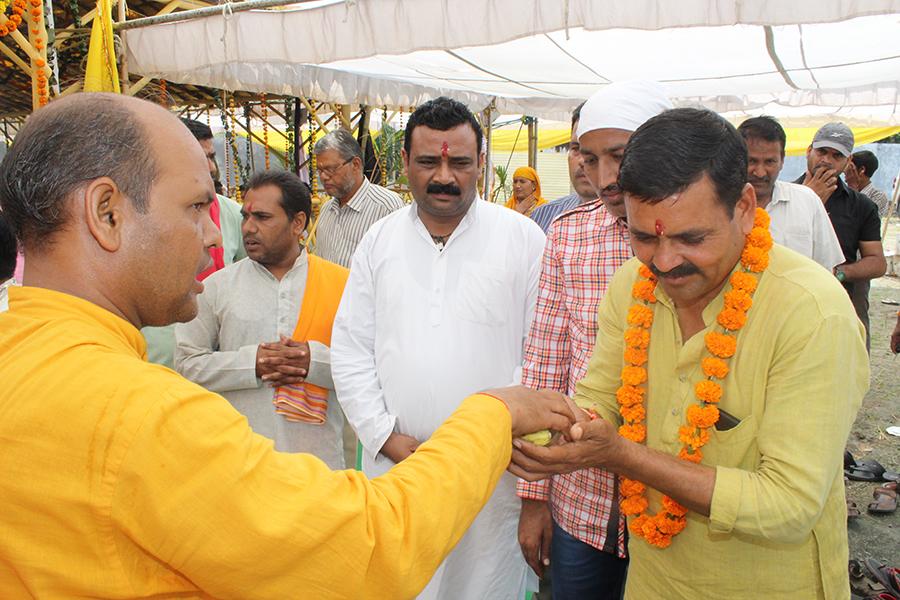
(532, 142)
(487, 120)
(197, 13)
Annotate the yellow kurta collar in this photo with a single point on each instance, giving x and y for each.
(45, 304)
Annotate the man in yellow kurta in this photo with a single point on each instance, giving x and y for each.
(120, 478)
(755, 505)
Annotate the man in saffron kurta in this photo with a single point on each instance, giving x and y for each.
(248, 314)
(139, 483)
(766, 515)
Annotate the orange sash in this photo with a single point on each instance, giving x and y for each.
(305, 402)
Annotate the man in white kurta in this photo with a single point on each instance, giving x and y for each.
(425, 320)
(798, 218)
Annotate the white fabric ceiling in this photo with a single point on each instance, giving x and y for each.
(542, 57)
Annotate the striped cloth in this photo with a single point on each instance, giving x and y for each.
(544, 215)
(341, 227)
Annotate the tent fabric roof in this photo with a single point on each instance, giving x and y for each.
(541, 57)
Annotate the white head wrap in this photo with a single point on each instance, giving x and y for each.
(622, 105)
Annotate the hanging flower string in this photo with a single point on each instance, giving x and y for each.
(659, 529)
(15, 17)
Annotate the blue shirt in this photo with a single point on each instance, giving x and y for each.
(544, 215)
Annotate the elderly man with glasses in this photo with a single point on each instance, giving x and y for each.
(356, 202)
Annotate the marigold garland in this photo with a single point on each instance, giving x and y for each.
(15, 17)
(659, 529)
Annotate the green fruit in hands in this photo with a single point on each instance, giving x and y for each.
(539, 438)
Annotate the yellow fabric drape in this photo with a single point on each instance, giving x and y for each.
(102, 73)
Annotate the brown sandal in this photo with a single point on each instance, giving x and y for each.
(885, 501)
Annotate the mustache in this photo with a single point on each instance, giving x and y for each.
(682, 270)
(612, 189)
(760, 179)
(445, 189)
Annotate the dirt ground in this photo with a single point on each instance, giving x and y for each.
(878, 536)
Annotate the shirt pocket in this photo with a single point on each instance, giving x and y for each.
(484, 295)
(735, 447)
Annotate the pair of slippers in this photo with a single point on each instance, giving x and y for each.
(874, 580)
(885, 499)
(867, 470)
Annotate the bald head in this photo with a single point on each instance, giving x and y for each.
(68, 143)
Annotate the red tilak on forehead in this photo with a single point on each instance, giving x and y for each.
(445, 149)
(660, 229)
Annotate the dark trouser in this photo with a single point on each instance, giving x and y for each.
(860, 299)
(581, 572)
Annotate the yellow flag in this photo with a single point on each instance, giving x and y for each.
(102, 73)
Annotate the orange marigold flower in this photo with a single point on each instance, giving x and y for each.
(698, 440)
(643, 290)
(36, 12)
(761, 218)
(634, 413)
(634, 375)
(702, 416)
(714, 367)
(635, 337)
(738, 300)
(708, 391)
(721, 344)
(754, 259)
(636, 432)
(636, 525)
(759, 237)
(695, 457)
(633, 505)
(40, 62)
(732, 319)
(686, 434)
(673, 508)
(667, 526)
(640, 316)
(645, 272)
(635, 356)
(628, 395)
(631, 487)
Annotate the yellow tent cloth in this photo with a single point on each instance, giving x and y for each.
(798, 139)
(102, 73)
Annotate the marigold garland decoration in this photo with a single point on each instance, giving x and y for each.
(659, 529)
(15, 17)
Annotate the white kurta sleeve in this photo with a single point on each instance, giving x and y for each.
(826, 247)
(536, 240)
(320, 365)
(197, 354)
(353, 354)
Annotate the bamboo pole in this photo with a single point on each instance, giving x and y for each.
(199, 13)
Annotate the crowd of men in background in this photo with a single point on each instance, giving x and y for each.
(394, 313)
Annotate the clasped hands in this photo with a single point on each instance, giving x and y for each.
(583, 443)
(283, 362)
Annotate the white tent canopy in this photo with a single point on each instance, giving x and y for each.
(542, 57)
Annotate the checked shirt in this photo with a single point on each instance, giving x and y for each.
(584, 248)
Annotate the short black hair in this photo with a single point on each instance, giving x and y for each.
(200, 130)
(866, 161)
(576, 115)
(764, 128)
(295, 196)
(8, 250)
(675, 149)
(442, 114)
(64, 145)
